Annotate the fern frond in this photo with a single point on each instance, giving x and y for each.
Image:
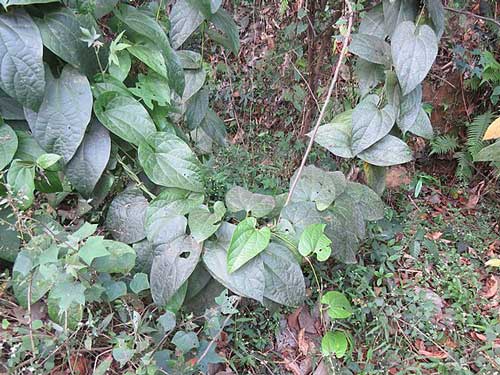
(443, 144)
(475, 132)
(464, 169)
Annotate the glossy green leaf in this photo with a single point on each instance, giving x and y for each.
(8, 145)
(152, 87)
(124, 116)
(370, 124)
(149, 54)
(334, 343)
(21, 66)
(121, 258)
(46, 161)
(414, 50)
(388, 151)
(247, 242)
(126, 216)
(65, 112)
(314, 240)
(172, 267)
(240, 199)
(203, 223)
(248, 281)
(339, 306)
(120, 71)
(168, 161)
(371, 48)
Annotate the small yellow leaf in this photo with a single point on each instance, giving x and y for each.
(493, 262)
(493, 131)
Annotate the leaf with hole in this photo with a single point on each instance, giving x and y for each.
(172, 267)
(314, 240)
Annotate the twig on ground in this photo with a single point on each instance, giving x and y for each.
(327, 101)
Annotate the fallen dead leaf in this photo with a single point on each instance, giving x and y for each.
(434, 236)
(293, 367)
(490, 287)
(302, 341)
(431, 352)
(481, 337)
(79, 365)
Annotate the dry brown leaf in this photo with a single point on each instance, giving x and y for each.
(493, 131)
(434, 235)
(431, 352)
(490, 287)
(302, 341)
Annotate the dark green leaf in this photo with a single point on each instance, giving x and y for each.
(371, 48)
(284, 279)
(168, 161)
(9, 240)
(184, 19)
(388, 151)
(373, 22)
(370, 124)
(185, 341)
(90, 160)
(214, 127)
(10, 109)
(414, 50)
(8, 145)
(65, 112)
(225, 23)
(21, 66)
(203, 223)
(397, 11)
(124, 116)
(172, 267)
(197, 108)
(436, 12)
(369, 75)
(248, 281)
(126, 215)
(61, 33)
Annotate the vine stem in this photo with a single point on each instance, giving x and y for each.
(327, 100)
(467, 13)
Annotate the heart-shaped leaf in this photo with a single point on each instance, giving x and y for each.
(240, 199)
(371, 48)
(172, 267)
(247, 242)
(414, 50)
(168, 161)
(336, 136)
(370, 124)
(388, 151)
(21, 66)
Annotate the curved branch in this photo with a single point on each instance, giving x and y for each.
(467, 13)
(333, 82)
